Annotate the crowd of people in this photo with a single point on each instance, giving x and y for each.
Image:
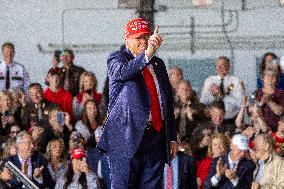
(225, 138)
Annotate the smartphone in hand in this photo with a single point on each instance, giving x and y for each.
(60, 118)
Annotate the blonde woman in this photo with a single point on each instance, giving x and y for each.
(9, 148)
(88, 91)
(219, 145)
(55, 156)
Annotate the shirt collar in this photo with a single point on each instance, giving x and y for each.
(231, 161)
(21, 160)
(219, 77)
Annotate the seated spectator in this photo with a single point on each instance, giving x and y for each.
(55, 156)
(37, 109)
(268, 61)
(8, 115)
(56, 94)
(270, 167)
(88, 91)
(219, 145)
(279, 137)
(31, 164)
(175, 76)
(55, 60)
(271, 99)
(78, 174)
(71, 72)
(223, 87)
(188, 110)
(181, 174)
(232, 170)
(217, 124)
(9, 148)
(90, 120)
(60, 130)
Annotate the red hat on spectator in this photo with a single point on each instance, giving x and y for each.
(136, 28)
(78, 153)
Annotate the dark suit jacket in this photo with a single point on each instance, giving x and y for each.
(244, 172)
(37, 161)
(129, 103)
(187, 171)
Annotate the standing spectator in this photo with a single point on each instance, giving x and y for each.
(9, 148)
(55, 156)
(12, 74)
(55, 65)
(37, 109)
(270, 167)
(90, 120)
(88, 91)
(31, 164)
(175, 76)
(223, 87)
(270, 60)
(188, 110)
(78, 174)
(232, 170)
(56, 94)
(71, 72)
(219, 145)
(14, 131)
(271, 99)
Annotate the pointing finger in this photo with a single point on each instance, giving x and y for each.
(156, 29)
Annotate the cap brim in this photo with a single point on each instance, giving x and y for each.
(137, 35)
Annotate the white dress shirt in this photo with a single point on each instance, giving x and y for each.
(30, 171)
(233, 94)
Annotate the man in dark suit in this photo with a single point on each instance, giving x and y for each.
(32, 165)
(139, 134)
(232, 170)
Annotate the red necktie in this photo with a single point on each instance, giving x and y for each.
(169, 178)
(155, 104)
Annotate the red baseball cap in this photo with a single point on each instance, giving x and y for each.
(136, 28)
(78, 153)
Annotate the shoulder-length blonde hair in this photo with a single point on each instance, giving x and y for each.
(224, 139)
(92, 76)
(62, 159)
(9, 95)
(8, 144)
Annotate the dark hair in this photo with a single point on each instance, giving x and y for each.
(85, 119)
(263, 64)
(8, 44)
(218, 104)
(69, 51)
(37, 85)
(224, 58)
(56, 55)
(197, 137)
(69, 177)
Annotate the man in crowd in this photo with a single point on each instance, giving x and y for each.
(223, 87)
(232, 170)
(139, 134)
(31, 164)
(176, 76)
(270, 167)
(71, 72)
(12, 74)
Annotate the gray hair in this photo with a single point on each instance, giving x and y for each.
(21, 135)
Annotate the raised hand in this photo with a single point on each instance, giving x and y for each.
(154, 42)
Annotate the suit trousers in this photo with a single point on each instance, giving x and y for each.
(145, 169)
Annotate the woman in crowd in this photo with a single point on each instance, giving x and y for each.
(8, 115)
(271, 99)
(88, 91)
(9, 148)
(279, 137)
(219, 145)
(60, 128)
(55, 60)
(188, 110)
(269, 60)
(90, 120)
(78, 174)
(55, 156)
